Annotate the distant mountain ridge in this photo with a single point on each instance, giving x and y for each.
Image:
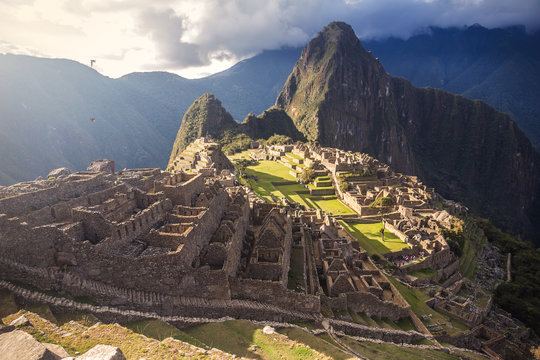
(46, 107)
(498, 66)
(341, 96)
(46, 104)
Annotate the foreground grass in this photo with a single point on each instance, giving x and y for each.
(317, 343)
(384, 351)
(78, 339)
(369, 237)
(239, 337)
(160, 330)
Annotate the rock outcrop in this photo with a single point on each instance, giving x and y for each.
(17, 344)
(341, 96)
(204, 117)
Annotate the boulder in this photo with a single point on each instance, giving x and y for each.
(60, 172)
(20, 321)
(103, 165)
(57, 350)
(103, 352)
(18, 345)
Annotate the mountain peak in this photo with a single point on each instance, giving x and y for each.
(206, 116)
(341, 96)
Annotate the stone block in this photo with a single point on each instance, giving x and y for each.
(103, 352)
(104, 165)
(18, 345)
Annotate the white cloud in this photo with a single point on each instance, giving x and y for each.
(205, 36)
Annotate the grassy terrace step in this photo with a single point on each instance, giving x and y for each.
(313, 186)
(268, 172)
(291, 155)
(239, 337)
(417, 300)
(424, 273)
(369, 237)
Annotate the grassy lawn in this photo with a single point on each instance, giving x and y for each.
(239, 337)
(424, 273)
(240, 155)
(81, 339)
(376, 351)
(369, 237)
(416, 298)
(331, 204)
(159, 330)
(290, 154)
(268, 172)
(314, 342)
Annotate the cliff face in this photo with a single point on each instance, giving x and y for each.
(270, 122)
(341, 96)
(204, 117)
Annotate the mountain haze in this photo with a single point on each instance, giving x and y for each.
(498, 66)
(47, 106)
(341, 96)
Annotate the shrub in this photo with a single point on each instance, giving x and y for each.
(277, 139)
(307, 175)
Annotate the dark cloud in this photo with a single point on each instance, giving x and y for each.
(165, 28)
(234, 29)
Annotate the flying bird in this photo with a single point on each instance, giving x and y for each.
(93, 120)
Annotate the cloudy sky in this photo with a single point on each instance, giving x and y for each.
(194, 38)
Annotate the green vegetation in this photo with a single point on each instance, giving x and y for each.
(234, 142)
(82, 338)
(423, 273)
(383, 201)
(246, 339)
(455, 240)
(308, 175)
(369, 237)
(315, 342)
(278, 139)
(417, 300)
(265, 177)
(521, 297)
(160, 330)
(378, 351)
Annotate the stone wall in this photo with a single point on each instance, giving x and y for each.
(167, 273)
(183, 189)
(388, 335)
(62, 190)
(367, 303)
(273, 292)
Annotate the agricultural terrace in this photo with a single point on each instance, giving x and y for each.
(267, 180)
(369, 237)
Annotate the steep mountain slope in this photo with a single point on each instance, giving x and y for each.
(47, 107)
(339, 95)
(207, 117)
(47, 104)
(270, 122)
(204, 117)
(498, 66)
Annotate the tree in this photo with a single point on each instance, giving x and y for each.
(307, 175)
